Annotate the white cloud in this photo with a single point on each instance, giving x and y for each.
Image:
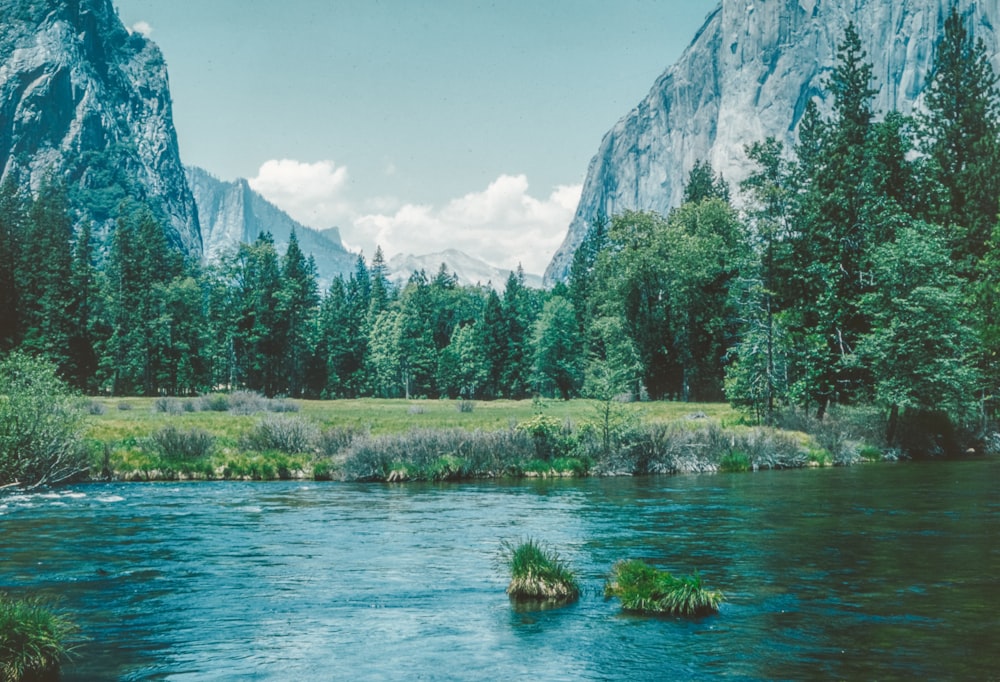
(142, 27)
(503, 224)
(309, 192)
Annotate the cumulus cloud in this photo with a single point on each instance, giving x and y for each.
(312, 193)
(503, 224)
(142, 28)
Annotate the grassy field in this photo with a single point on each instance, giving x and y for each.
(245, 436)
(129, 418)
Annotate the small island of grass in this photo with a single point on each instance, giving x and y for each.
(34, 640)
(644, 589)
(537, 574)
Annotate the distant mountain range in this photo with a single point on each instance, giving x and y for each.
(469, 270)
(232, 212)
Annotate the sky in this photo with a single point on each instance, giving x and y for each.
(416, 125)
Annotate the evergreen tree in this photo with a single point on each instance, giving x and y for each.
(84, 311)
(259, 343)
(703, 183)
(298, 302)
(44, 275)
(557, 365)
(496, 345)
(135, 357)
(757, 375)
(519, 316)
(12, 220)
(962, 140)
(833, 242)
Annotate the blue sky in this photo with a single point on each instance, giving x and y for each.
(416, 125)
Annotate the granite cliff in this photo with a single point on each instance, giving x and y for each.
(86, 102)
(748, 75)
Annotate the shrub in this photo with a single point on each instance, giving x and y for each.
(40, 427)
(644, 589)
(95, 407)
(551, 437)
(33, 640)
(247, 402)
(537, 574)
(735, 462)
(290, 435)
(466, 406)
(183, 446)
(282, 405)
(214, 402)
(334, 441)
(167, 405)
(419, 452)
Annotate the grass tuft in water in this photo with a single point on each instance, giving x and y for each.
(644, 589)
(33, 640)
(538, 574)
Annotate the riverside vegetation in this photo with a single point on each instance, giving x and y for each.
(34, 640)
(399, 440)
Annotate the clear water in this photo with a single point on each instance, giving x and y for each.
(885, 572)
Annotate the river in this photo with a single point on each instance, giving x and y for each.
(884, 571)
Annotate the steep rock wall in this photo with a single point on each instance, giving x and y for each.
(748, 75)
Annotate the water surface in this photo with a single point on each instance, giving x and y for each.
(874, 572)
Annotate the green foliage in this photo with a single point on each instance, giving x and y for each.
(644, 589)
(557, 363)
(735, 462)
(34, 640)
(183, 447)
(552, 438)
(290, 435)
(40, 425)
(537, 573)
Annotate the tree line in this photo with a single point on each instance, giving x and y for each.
(862, 268)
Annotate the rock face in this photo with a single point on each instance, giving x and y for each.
(231, 212)
(748, 75)
(85, 101)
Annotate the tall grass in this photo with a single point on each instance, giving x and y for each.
(537, 573)
(644, 589)
(34, 640)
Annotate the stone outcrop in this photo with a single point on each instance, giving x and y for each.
(86, 102)
(748, 75)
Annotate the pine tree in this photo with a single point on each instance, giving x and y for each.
(962, 139)
(298, 303)
(45, 277)
(12, 220)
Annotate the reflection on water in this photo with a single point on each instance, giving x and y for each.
(884, 572)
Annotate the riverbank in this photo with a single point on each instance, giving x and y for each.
(246, 437)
